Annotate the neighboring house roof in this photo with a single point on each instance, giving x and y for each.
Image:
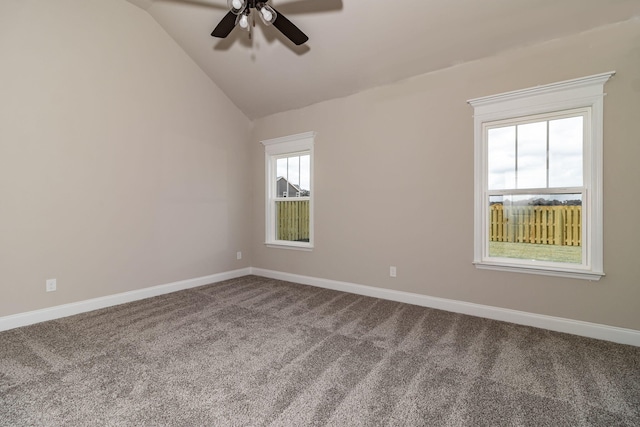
(297, 187)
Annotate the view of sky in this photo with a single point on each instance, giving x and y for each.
(518, 155)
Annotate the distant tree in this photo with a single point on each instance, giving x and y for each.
(540, 202)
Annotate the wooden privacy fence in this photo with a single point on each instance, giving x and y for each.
(547, 225)
(293, 220)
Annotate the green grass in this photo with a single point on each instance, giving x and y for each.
(568, 254)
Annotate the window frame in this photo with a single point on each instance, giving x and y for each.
(302, 143)
(585, 93)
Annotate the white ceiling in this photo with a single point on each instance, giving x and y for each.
(356, 44)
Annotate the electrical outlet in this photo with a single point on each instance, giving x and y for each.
(51, 285)
(239, 255)
(392, 271)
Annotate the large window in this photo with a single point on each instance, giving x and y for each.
(289, 191)
(538, 179)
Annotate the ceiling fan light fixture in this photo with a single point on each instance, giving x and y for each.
(237, 6)
(243, 21)
(267, 14)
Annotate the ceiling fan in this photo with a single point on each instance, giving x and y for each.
(240, 14)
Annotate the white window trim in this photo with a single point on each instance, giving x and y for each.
(286, 145)
(571, 94)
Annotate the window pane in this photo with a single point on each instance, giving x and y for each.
(305, 174)
(502, 158)
(281, 177)
(532, 155)
(293, 174)
(540, 227)
(292, 220)
(565, 152)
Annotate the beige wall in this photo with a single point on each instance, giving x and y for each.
(406, 151)
(122, 165)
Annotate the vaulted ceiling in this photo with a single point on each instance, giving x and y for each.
(356, 44)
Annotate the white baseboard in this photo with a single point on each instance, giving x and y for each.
(57, 312)
(575, 327)
(558, 324)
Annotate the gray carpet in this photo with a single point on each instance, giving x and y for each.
(255, 351)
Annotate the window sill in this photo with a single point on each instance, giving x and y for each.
(570, 273)
(290, 245)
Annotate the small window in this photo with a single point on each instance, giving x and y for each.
(288, 166)
(538, 179)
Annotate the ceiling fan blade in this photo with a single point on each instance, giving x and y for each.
(225, 26)
(287, 28)
(308, 6)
